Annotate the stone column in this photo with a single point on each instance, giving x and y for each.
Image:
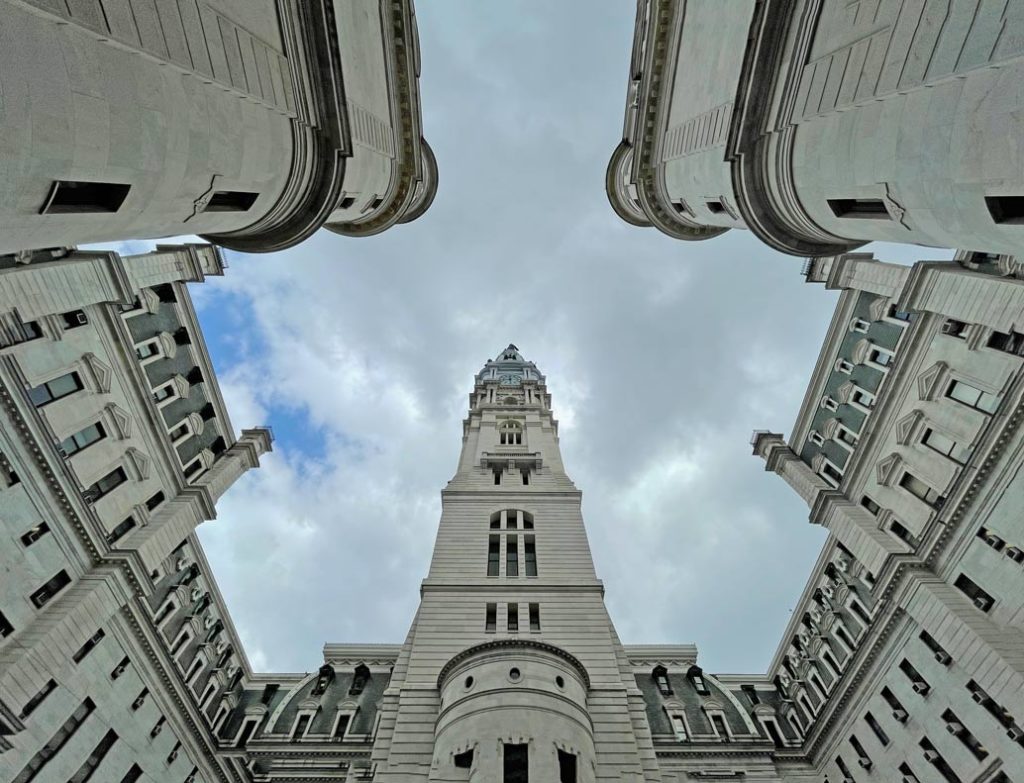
(849, 522)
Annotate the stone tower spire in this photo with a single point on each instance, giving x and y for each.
(512, 655)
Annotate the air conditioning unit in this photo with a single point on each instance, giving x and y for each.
(955, 728)
(922, 688)
(117, 672)
(90, 496)
(943, 657)
(994, 541)
(1015, 554)
(978, 696)
(864, 762)
(931, 756)
(1015, 732)
(983, 602)
(900, 715)
(81, 318)
(952, 327)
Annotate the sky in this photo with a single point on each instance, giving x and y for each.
(662, 357)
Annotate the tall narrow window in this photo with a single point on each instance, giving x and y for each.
(58, 741)
(247, 731)
(876, 727)
(972, 397)
(968, 587)
(513, 618)
(493, 555)
(74, 318)
(58, 582)
(870, 505)
(87, 648)
(35, 701)
(566, 767)
(121, 530)
(82, 439)
(511, 556)
(108, 483)
(679, 727)
(660, 675)
(919, 683)
(534, 617)
(530, 555)
(301, 724)
(95, 758)
(516, 764)
(231, 201)
(491, 618)
(29, 537)
(68, 196)
(864, 208)
(899, 713)
(718, 722)
(341, 726)
(55, 389)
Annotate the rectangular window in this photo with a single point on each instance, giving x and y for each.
(863, 208)
(57, 741)
(147, 349)
(715, 207)
(981, 599)
(121, 530)
(530, 555)
(341, 727)
(902, 533)
(876, 727)
(39, 698)
(58, 582)
(920, 684)
(95, 758)
(534, 617)
(74, 318)
(82, 439)
(1012, 342)
(31, 330)
(679, 727)
(493, 555)
(933, 757)
(88, 647)
(301, 724)
(68, 196)
(511, 556)
(108, 483)
(945, 445)
(155, 501)
(346, 203)
(718, 723)
(164, 392)
(55, 389)
(919, 489)
(29, 537)
(179, 432)
(972, 396)
(566, 767)
(513, 618)
(870, 505)
(231, 201)
(6, 629)
(1006, 209)
(516, 764)
(491, 618)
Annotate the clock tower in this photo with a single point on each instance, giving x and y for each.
(512, 670)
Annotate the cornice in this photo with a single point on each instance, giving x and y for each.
(512, 645)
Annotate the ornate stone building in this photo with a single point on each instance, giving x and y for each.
(904, 659)
(250, 122)
(823, 124)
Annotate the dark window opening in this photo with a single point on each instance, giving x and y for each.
(74, 318)
(87, 648)
(981, 599)
(85, 771)
(165, 293)
(933, 757)
(951, 327)
(526, 476)
(55, 389)
(362, 676)
(719, 723)
(341, 727)
(121, 530)
(513, 618)
(955, 727)
(898, 711)
(902, 533)
(530, 555)
(534, 617)
(155, 501)
(69, 196)
(716, 207)
(920, 684)
(82, 439)
(346, 203)
(660, 675)
(511, 556)
(464, 760)
(376, 203)
(231, 201)
(566, 767)
(937, 650)
(497, 476)
(870, 505)
(58, 741)
(121, 667)
(31, 330)
(1012, 343)
(140, 699)
(773, 732)
(516, 764)
(921, 490)
(493, 555)
(247, 731)
(876, 727)
(31, 536)
(183, 639)
(58, 582)
(300, 726)
(107, 484)
(35, 701)
(870, 208)
(1006, 209)
(491, 618)
(682, 208)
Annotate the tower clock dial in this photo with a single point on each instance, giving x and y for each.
(509, 379)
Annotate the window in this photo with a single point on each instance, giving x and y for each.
(35, 701)
(87, 648)
(179, 644)
(898, 712)
(972, 397)
(497, 476)
(121, 530)
(679, 726)
(862, 756)
(194, 468)
(55, 389)
(830, 471)
(121, 668)
(1012, 343)
(97, 755)
(513, 618)
(74, 318)
(718, 724)
(346, 203)
(493, 555)
(463, 760)
(69, 196)
(376, 203)
(933, 757)
(491, 618)
(954, 328)
(876, 728)
(843, 435)
(772, 729)
(530, 555)
(859, 325)
(881, 358)
(981, 599)
(6, 629)
(107, 484)
(902, 533)
(155, 501)
(231, 201)
(919, 489)
(566, 767)
(58, 582)
(944, 445)
(920, 684)
(57, 741)
(148, 349)
(516, 764)
(341, 726)
(82, 439)
(862, 398)
(511, 556)
(31, 330)
(362, 676)
(133, 774)
(534, 617)
(247, 731)
(863, 208)
(180, 432)
(301, 724)
(1006, 209)
(870, 505)
(716, 207)
(29, 537)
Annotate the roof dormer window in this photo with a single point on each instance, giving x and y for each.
(660, 675)
(696, 677)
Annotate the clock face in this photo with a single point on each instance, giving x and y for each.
(509, 380)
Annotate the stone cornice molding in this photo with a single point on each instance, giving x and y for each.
(511, 645)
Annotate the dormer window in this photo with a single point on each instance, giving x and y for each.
(696, 677)
(829, 404)
(660, 675)
(323, 679)
(844, 366)
(816, 438)
(362, 675)
(859, 325)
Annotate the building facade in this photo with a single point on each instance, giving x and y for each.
(250, 122)
(827, 123)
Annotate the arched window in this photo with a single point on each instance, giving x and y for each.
(362, 674)
(510, 433)
(660, 675)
